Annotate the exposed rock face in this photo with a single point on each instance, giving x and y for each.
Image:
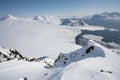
(81, 41)
(89, 49)
(9, 54)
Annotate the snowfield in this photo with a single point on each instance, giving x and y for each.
(34, 38)
(84, 67)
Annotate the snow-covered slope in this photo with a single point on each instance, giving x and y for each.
(98, 64)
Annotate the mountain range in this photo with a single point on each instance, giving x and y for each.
(110, 20)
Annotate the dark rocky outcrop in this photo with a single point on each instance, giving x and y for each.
(89, 49)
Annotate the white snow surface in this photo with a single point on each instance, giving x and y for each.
(87, 68)
(34, 39)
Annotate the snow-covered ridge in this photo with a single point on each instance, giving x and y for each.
(10, 54)
(47, 19)
(88, 51)
(89, 62)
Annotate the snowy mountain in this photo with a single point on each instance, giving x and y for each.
(106, 16)
(108, 20)
(73, 22)
(8, 17)
(105, 19)
(48, 19)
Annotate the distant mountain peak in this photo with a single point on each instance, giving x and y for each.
(8, 16)
(106, 15)
(47, 19)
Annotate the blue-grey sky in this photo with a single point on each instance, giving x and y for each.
(28, 8)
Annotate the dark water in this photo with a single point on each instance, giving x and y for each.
(108, 36)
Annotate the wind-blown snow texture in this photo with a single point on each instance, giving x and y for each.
(41, 36)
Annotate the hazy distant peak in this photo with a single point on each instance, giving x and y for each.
(106, 15)
(112, 14)
(8, 16)
(47, 19)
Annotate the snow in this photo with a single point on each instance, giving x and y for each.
(34, 39)
(22, 69)
(48, 19)
(84, 68)
(89, 68)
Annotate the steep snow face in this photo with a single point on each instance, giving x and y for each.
(48, 19)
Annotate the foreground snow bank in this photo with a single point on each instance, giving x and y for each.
(85, 66)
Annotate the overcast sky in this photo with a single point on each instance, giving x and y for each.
(29, 8)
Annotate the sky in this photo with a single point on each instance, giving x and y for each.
(29, 8)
